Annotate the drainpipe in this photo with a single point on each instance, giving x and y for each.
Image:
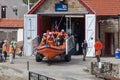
(99, 30)
(118, 29)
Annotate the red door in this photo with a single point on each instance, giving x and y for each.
(109, 44)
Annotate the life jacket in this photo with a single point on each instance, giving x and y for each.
(55, 34)
(98, 53)
(44, 40)
(11, 49)
(62, 35)
(4, 47)
(50, 40)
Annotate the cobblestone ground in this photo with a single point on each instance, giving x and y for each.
(57, 69)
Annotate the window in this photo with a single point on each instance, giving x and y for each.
(3, 11)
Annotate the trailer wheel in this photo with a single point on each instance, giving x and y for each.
(67, 58)
(39, 57)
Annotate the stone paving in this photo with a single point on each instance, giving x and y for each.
(60, 70)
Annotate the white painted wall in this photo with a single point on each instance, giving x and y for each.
(30, 32)
(20, 35)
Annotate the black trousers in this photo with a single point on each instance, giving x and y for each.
(14, 54)
(98, 58)
(84, 54)
(5, 55)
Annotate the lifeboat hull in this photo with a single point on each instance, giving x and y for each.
(51, 51)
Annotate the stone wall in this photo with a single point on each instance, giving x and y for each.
(8, 34)
(107, 68)
(73, 6)
(109, 26)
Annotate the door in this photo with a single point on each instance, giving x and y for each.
(90, 20)
(30, 32)
(109, 44)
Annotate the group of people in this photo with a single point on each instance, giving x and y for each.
(5, 50)
(54, 38)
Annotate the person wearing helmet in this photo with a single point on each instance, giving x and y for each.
(62, 34)
(50, 39)
(44, 39)
(61, 37)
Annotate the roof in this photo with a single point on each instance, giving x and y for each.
(11, 23)
(99, 7)
(104, 7)
(40, 2)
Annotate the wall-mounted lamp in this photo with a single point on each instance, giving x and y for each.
(15, 9)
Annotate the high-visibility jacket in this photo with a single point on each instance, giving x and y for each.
(98, 52)
(11, 49)
(44, 40)
(4, 47)
(62, 35)
(55, 34)
(50, 40)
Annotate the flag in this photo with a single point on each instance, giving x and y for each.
(56, 28)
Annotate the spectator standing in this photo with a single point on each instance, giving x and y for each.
(1, 51)
(98, 46)
(14, 43)
(84, 48)
(11, 52)
(98, 53)
(4, 49)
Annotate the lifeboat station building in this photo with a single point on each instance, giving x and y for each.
(85, 19)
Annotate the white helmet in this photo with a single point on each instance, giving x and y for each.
(50, 33)
(62, 30)
(5, 40)
(44, 34)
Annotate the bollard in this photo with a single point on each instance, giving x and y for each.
(100, 67)
(28, 65)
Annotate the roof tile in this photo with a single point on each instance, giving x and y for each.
(104, 7)
(11, 22)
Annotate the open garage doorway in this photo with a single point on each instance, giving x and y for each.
(73, 25)
(77, 28)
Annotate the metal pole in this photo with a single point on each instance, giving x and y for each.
(28, 65)
(66, 24)
(99, 30)
(28, 5)
(70, 26)
(29, 76)
(30, 27)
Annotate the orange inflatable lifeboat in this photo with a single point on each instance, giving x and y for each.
(49, 51)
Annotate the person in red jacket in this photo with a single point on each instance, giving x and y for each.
(98, 47)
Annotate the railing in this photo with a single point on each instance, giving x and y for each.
(36, 76)
(70, 44)
(35, 43)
